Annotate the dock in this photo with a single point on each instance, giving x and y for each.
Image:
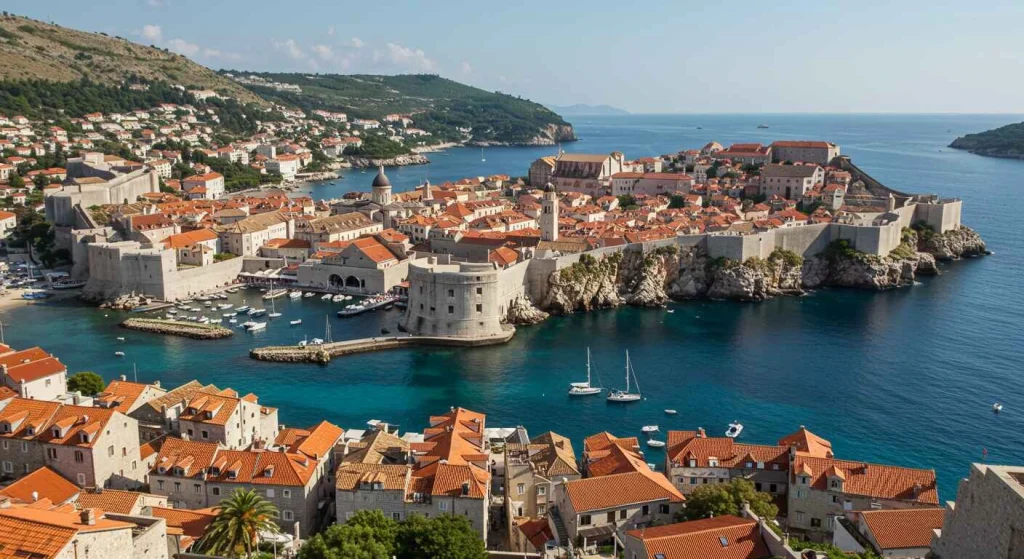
(174, 328)
(323, 353)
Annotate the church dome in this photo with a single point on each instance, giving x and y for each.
(381, 179)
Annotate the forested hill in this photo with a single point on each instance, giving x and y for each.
(1005, 141)
(438, 105)
(33, 50)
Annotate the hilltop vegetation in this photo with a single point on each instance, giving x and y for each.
(1005, 141)
(439, 106)
(31, 49)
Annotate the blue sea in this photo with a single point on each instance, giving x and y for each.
(903, 377)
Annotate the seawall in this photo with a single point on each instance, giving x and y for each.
(324, 353)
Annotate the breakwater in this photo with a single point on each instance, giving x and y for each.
(323, 353)
(174, 328)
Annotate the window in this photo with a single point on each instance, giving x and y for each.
(287, 515)
(270, 493)
(830, 522)
(177, 486)
(724, 541)
(584, 520)
(81, 480)
(451, 292)
(216, 491)
(815, 523)
(645, 510)
(8, 467)
(197, 488)
(773, 488)
(541, 509)
(205, 434)
(160, 484)
(757, 487)
(749, 465)
(800, 517)
(611, 517)
(835, 498)
(479, 307)
(693, 481)
(760, 465)
(5, 442)
(190, 433)
(663, 509)
(442, 506)
(521, 488)
(542, 490)
(622, 514)
(396, 516)
(51, 453)
(79, 457)
(451, 309)
(24, 446)
(286, 493)
(479, 291)
(835, 484)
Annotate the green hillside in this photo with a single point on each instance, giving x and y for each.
(1005, 141)
(440, 106)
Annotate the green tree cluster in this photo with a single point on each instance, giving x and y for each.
(86, 382)
(727, 498)
(371, 535)
(236, 529)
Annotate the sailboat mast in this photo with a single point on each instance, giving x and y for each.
(627, 371)
(588, 367)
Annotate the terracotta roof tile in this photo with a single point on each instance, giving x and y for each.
(45, 483)
(349, 476)
(617, 490)
(903, 528)
(872, 480)
(808, 443)
(110, 500)
(723, 537)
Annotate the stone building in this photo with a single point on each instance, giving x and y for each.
(904, 533)
(693, 459)
(342, 227)
(245, 236)
(531, 473)
(790, 181)
(587, 173)
(987, 520)
(820, 153)
(34, 374)
(448, 476)
(541, 170)
(229, 420)
(31, 530)
(549, 214)
(722, 537)
(364, 265)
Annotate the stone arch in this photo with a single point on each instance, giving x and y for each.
(352, 281)
(335, 281)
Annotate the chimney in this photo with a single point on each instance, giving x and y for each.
(88, 517)
(700, 433)
(184, 436)
(5, 502)
(35, 496)
(124, 378)
(156, 384)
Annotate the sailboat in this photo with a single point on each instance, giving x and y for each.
(584, 388)
(626, 395)
(482, 158)
(273, 310)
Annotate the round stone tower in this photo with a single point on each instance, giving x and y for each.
(381, 188)
(549, 214)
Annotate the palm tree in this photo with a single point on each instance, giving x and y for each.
(240, 519)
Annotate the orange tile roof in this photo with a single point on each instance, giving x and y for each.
(191, 524)
(36, 370)
(76, 421)
(616, 460)
(872, 480)
(537, 531)
(45, 484)
(24, 538)
(374, 250)
(617, 490)
(320, 440)
(808, 443)
(7, 393)
(903, 528)
(451, 479)
(121, 393)
(189, 238)
(219, 406)
(192, 456)
(24, 414)
(233, 466)
(702, 539)
(727, 451)
(350, 476)
(601, 441)
(504, 256)
(23, 356)
(110, 500)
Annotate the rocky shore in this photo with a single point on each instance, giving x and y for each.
(400, 161)
(671, 273)
(173, 328)
(550, 135)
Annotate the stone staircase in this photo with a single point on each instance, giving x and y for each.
(561, 535)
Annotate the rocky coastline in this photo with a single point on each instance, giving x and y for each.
(550, 135)
(399, 161)
(672, 273)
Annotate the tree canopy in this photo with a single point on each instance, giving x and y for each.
(371, 535)
(86, 382)
(728, 498)
(240, 519)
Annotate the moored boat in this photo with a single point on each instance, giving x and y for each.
(584, 388)
(624, 396)
(734, 430)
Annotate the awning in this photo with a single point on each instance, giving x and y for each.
(597, 533)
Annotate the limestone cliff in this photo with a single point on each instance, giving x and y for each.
(398, 161)
(953, 244)
(586, 285)
(521, 311)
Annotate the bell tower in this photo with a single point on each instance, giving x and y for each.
(549, 214)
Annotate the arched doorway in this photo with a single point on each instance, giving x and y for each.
(335, 281)
(353, 281)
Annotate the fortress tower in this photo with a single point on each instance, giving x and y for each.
(381, 188)
(549, 214)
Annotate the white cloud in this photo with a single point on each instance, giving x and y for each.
(182, 46)
(221, 55)
(356, 43)
(413, 59)
(323, 51)
(151, 33)
(291, 48)
(466, 68)
(330, 30)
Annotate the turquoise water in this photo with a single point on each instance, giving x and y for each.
(905, 377)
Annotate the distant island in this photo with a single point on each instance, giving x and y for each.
(1005, 141)
(587, 110)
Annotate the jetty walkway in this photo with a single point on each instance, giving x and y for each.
(175, 328)
(323, 353)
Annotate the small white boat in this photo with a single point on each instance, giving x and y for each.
(296, 322)
(670, 311)
(308, 294)
(274, 315)
(233, 320)
(242, 309)
(295, 294)
(228, 314)
(225, 306)
(624, 396)
(346, 297)
(734, 430)
(337, 298)
(326, 297)
(119, 354)
(670, 412)
(120, 338)
(997, 408)
(654, 443)
(257, 326)
(217, 321)
(316, 341)
(172, 311)
(257, 312)
(584, 388)
(649, 428)
(204, 320)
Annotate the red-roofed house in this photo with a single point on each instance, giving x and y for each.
(693, 459)
(213, 182)
(723, 537)
(34, 374)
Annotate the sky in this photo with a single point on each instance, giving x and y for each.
(676, 56)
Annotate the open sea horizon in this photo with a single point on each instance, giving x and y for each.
(904, 377)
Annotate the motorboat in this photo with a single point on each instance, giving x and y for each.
(649, 428)
(258, 312)
(670, 412)
(997, 407)
(584, 388)
(337, 298)
(233, 320)
(228, 314)
(225, 306)
(216, 321)
(118, 354)
(308, 294)
(316, 341)
(274, 315)
(120, 338)
(257, 326)
(326, 297)
(295, 294)
(734, 430)
(172, 311)
(274, 294)
(624, 396)
(296, 322)
(242, 309)
(654, 443)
